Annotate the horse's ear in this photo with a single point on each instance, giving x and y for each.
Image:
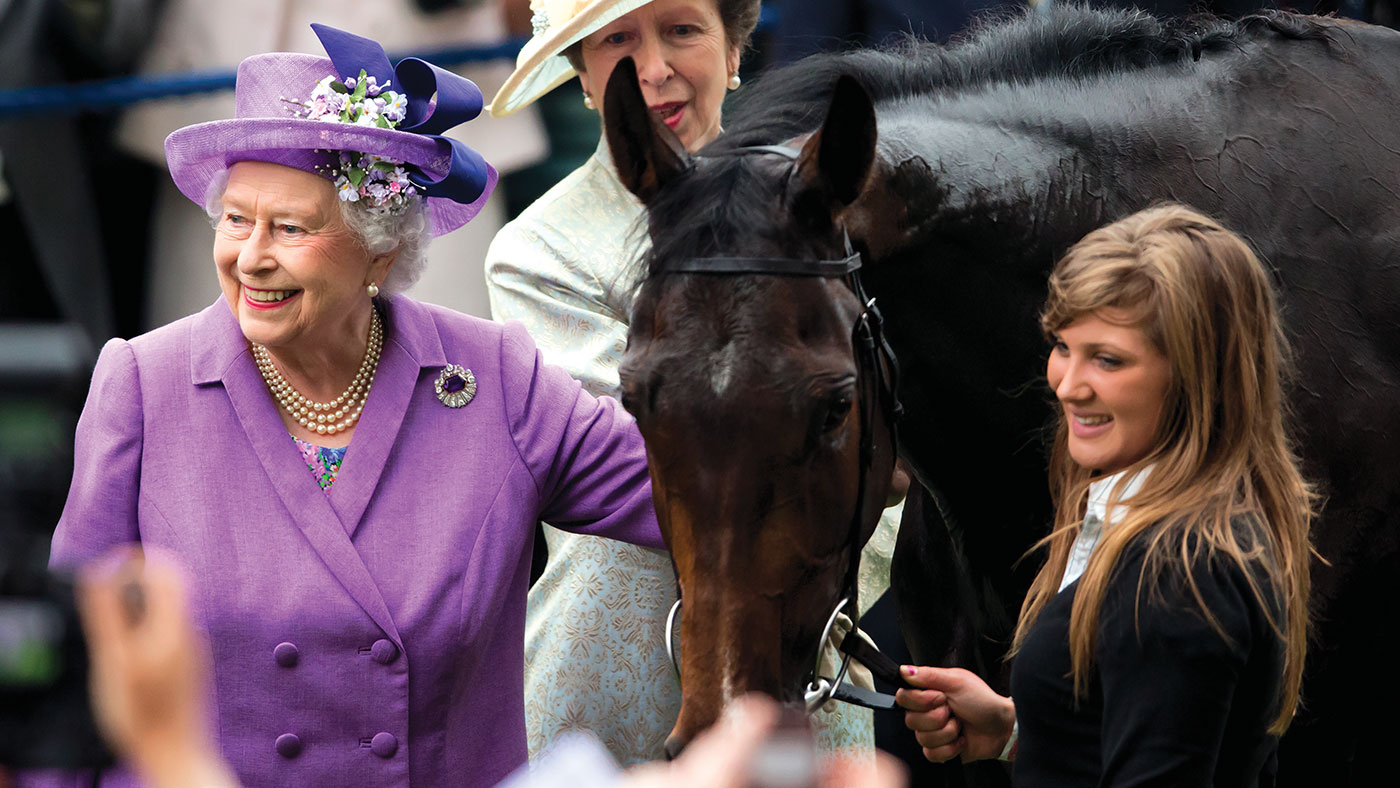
(836, 161)
(647, 153)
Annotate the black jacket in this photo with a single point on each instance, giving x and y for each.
(1169, 701)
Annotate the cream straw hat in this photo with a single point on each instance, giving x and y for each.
(541, 65)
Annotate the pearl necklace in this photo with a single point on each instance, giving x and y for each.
(341, 413)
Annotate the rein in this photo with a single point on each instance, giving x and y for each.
(879, 370)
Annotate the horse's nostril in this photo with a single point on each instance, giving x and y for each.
(674, 745)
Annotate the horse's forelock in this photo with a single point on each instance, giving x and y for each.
(710, 209)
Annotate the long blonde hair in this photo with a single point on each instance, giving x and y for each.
(1222, 452)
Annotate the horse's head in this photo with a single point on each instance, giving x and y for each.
(766, 428)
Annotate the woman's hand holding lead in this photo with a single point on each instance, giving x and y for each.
(953, 712)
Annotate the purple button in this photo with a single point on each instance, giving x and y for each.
(384, 745)
(289, 745)
(286, 655)
(383, 651)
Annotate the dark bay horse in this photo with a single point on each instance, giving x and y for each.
(990, 159)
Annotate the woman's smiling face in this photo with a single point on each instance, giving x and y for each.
(1112, 383)
(683, 58)
(291, 270)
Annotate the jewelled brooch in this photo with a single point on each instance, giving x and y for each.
(455, 386)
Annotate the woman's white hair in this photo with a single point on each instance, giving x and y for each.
(379, 233)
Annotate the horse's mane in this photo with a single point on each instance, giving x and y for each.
(1018, 46)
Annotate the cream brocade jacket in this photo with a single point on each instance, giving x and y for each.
(595, 622)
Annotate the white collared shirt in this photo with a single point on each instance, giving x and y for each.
(1095, 515)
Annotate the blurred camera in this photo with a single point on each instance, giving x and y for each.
(46, 719)
(788, 757)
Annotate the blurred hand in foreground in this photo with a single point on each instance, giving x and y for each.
(724, 756)
(149, 671)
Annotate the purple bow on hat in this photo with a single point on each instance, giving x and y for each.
(458, 101)
(455, 179)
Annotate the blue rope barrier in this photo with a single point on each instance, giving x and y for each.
(122, 92)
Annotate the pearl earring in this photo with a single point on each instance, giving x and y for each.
(588, 101)
(734, 81)
(373, 290)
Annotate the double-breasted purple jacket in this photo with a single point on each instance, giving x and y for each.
(371, 636)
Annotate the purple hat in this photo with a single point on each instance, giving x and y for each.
(370, 140)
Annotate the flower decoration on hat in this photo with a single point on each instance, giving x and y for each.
(558, 10)
(383, 183)
(539, 21)
(430, 100)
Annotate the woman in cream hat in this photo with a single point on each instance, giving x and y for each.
(595, 621)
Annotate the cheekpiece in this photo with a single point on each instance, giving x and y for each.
(455, 386)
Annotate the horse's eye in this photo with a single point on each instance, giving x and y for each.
(836, 413)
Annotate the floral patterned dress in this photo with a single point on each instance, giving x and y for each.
(323, 461)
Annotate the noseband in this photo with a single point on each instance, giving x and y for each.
(879, 371)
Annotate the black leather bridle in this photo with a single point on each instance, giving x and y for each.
(879, 381)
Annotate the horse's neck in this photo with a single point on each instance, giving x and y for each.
(960, 177)
(962, 223)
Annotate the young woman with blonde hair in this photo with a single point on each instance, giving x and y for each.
(1163, 640)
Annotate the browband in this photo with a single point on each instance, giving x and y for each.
(777, 266)
(780, 266)
(776, 150)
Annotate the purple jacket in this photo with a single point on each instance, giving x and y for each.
(371, 636)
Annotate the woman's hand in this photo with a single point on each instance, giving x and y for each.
(953, 712)
(148, 672)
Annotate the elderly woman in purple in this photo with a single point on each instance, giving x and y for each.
(351, 478)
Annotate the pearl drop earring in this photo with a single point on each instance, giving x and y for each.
(734, 81)
(373, 290)
(588, 101)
